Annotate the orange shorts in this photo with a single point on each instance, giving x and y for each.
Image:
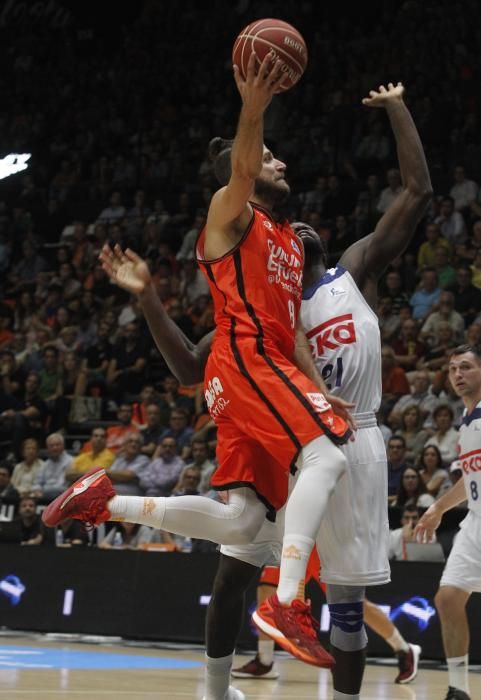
(270, 574)
(265, 410)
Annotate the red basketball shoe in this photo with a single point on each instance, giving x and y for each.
(294, 629)
(85, 500)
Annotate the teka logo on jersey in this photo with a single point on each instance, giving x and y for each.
(471, 461)
(332, 334)
(215, 402)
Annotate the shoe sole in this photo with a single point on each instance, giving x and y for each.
(261, 677)
(84, 484)
(283, 642)
(416, 650)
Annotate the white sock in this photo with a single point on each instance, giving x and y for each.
(344, 696)
(265, 649)
(235, 522)
(397, 641)
(217, 677)
(458, 667)
(296, 550)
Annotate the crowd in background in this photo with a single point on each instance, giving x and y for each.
(117, 120)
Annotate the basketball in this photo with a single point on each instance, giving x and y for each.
(272, 36)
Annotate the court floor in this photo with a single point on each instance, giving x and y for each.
(38, 667)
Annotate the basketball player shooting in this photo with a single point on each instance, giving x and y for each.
(261, 385)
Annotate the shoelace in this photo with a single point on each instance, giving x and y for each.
(306, 621)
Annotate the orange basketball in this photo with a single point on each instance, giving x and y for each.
(272, 36)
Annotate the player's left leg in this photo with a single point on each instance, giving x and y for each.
(223, 623)
(348, 640)
(451, 605)
(407, 654)
(262, 665)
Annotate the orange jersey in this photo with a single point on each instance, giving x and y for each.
(259, 283)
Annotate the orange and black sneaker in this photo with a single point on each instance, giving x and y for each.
(293, 628)
(85, 500)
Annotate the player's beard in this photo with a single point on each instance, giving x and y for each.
(272, 193)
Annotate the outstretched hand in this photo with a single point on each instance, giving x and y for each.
(125, 268)
(427, 525)
(259, 87)
(383, 97)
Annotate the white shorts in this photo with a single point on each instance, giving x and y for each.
(463, 567)
(354, 534)
(265, 550)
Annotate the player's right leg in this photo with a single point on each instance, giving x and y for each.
(93, 499)
(407, 654)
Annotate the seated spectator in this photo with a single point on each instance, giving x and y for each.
(26, 471)
(134, 536)
(96, 359)
(179, 430)
(128, 468)
(408, 349)
(73, 534)
(8, 492)
(193, 283)
(400, 537)
(148, 397)
(12, 375)
(98, 456)
(30, 524)
(466, 251)
(463, 191)
(189, 482)
(432, 471)
(444, 313)
(390, 193)
(394, 380)
(396, 464)
(427, 294)
(50, 480)
(162, 474)
(451, 222)
(27, 418)
(116, 434)
(442, 264)
(50, 375)
(443, 343)
(171, 398)
(153, 430)
(413, 432)
(395, 291)
(412, 491)
(427, 250)
(389, 322)
(199, 458)
(467, 297)
(420, 395)
(114, 212)
(125, 374)
(445, 437)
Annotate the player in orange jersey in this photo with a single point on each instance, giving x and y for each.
(261, 386)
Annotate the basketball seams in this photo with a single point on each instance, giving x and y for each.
(252, 39)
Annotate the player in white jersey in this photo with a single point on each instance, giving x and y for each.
(462, 573)
(365, 260)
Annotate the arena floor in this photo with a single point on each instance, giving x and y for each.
(37, 667)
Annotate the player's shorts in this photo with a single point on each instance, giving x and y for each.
(265, 410)
(265, 549)
(354, 533)
(463, 567)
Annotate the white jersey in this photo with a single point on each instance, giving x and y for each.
(344, 335)
(470, 456)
